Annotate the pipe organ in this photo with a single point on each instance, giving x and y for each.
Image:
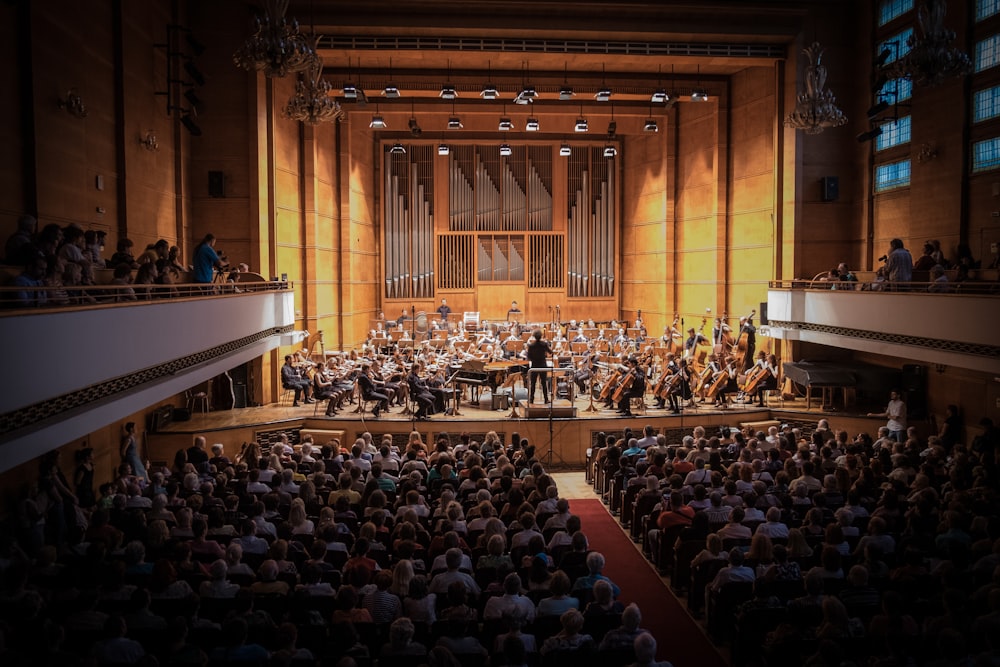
(409, 224)
(500, 225)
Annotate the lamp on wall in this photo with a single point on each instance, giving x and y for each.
(149, 142)
(73, 104)
(815, 108)
(276, 46)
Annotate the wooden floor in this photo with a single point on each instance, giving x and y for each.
(561, 441)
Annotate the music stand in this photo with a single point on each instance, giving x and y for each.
(515, 316)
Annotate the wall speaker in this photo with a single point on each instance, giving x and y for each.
(830, 186)
(763, 313)
(216, 184)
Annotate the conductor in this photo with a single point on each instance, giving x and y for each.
(538, 351)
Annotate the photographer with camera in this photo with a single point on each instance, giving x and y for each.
(206, 261)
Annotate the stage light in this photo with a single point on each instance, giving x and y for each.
(532, 125)
(505, 150)
(581, 125)
(565, 150)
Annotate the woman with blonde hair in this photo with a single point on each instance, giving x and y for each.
(297, 519)
(797, 546)
(402, 575)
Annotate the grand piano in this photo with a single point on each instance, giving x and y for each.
(479, 373)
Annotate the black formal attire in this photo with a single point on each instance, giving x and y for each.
(419, 393)
(290, 379)
(682, 388)
(750, 332)
(444, 311)
(669, 370)
(538, 351)
(370, 392)
(636, 390)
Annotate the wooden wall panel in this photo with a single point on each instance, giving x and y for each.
(750, 233)
(644, 244)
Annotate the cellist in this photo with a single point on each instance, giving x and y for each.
(663, 390)
(767, 364)
(636, 387)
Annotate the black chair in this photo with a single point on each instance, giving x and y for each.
(722, 611)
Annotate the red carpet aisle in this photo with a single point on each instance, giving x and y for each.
(679, 639)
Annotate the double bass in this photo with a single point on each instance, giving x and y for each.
(742, 344)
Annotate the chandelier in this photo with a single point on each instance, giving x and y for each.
(276, 46)
(931, 58)
(816, 108)
(312, 102)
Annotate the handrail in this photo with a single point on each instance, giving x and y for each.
(88, 297)
(977, 287)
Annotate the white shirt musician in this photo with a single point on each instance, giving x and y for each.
(767, 364)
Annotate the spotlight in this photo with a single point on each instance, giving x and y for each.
(581, 125)
(506, 124)
(659, 96)
(455, 123)
(443, 149)
(390, 91)
(505, 150)
(448, 92)
(350, 91)
(397, 149)
(869, 135)
(650, 125)
(532, 125)
(603, 95)
(699, 95)
(526, 96)
(378, 122)
(490, 92)
(188, 122)
(612, 128)
(610, 151)
(566, 93)
(877, 108)
(193, 72)
(414, 128)
(565, 150)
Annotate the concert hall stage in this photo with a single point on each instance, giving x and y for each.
(570, 437)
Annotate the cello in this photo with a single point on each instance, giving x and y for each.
(624, 385)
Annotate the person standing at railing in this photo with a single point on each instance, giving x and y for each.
(206, 261)
(899, 262)
(21, 244)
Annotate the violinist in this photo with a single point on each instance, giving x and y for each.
(291, 378)
(323, 389)
(370, 391)
(538, 351)
(637, 388)
(584, 370)
(748, 331)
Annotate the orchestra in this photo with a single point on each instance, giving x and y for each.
(424, 368)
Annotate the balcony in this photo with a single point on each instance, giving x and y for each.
(953, 329)
(72, 370)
